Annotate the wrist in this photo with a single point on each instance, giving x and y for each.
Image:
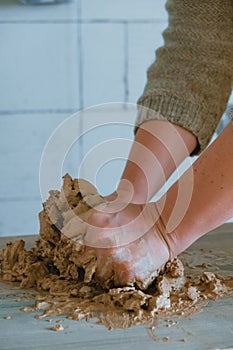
(129, 193)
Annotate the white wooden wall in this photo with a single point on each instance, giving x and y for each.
(54, 61)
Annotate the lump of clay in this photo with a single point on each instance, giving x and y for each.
(56, 256)
(59, 253)
(60, 265)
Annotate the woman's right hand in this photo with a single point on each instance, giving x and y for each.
(129, 240)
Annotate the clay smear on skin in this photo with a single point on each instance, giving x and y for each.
(63, 273)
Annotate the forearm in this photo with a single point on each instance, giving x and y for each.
(188, 85)
(158, 149)
(211, 199)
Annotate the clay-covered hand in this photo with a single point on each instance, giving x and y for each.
(130, 242)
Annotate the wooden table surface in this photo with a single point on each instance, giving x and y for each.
(211, 329)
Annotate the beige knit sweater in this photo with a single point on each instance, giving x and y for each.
(191, 79)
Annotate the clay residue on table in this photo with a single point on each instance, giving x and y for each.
(63, 272)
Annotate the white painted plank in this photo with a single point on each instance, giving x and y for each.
(12, 10)
(22, 141)
(126, 10)
(39, 66)
(103, 63)
(231, 98)
(19, 217)
(108, 135)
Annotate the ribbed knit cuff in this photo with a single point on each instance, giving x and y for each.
(181, 112)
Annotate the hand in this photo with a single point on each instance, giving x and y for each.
(130, 242)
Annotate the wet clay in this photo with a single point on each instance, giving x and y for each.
(63, 271)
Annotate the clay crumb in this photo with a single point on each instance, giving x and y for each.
(183, 340)
(27, 308)
(193, 293)
(171, 323)
(7, 318)
(57, 328)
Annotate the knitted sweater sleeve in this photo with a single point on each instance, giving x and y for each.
(191, 79)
